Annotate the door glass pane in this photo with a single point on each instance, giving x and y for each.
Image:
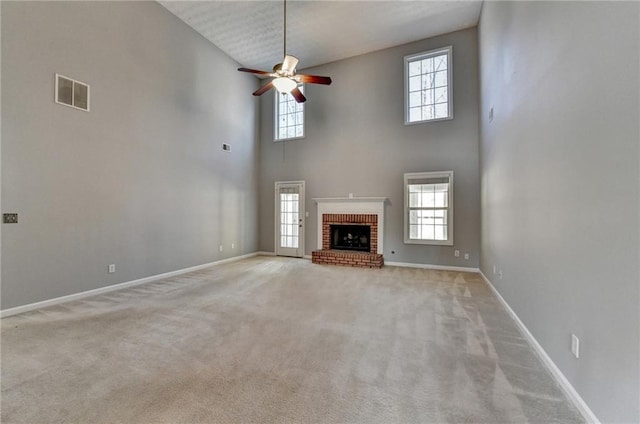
(289, 219)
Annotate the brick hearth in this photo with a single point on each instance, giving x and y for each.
(370, 259)
(345, 258)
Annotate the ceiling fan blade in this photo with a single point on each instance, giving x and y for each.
(314, 79)
(260, 91)
(289, 64)
(297, 94)
(254, 71)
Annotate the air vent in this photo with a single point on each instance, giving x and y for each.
(10, 218)
(72, 93)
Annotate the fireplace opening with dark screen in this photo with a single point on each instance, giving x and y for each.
(351, 237)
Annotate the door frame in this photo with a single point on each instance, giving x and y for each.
(302, 214)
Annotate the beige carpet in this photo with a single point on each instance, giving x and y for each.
(279, 340)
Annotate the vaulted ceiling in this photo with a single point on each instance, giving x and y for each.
(318, 32)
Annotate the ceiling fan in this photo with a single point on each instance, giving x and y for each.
(285, 79)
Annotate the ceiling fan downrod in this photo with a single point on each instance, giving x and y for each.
(285, 29)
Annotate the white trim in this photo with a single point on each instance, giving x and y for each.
(302, 211)
(450, 202)
(349, 199)
(76, 296)
(429, 266)
(273, 254)
(564, 383)
(352, 205)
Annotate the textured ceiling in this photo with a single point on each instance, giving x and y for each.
(318, 32)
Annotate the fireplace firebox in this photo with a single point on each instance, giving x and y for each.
(351, 237)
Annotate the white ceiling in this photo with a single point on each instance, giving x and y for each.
(318, 31)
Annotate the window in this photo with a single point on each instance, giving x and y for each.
(428, 86)
(428, 208)
(289, 116)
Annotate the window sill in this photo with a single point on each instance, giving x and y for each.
(430, 242)
(426, 121)
(278, 140)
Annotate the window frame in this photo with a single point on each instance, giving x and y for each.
(276, 116)
(424, 55)
(422, 175)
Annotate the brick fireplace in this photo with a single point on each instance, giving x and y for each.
(355, 212)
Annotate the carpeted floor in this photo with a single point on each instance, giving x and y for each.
(279, 340)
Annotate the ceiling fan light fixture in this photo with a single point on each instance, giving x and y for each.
(284, 84)
(284, 75)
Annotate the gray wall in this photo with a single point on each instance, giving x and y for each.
(141, 180)
(560, 185)
(356, 142)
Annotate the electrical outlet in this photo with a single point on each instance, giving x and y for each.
(220, 248)
(112, 268)
(466, 256)
(226, 147)
(494, 269)
(233, 245)
(575, 346)
(456, 253)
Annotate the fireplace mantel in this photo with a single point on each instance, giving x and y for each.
(352, 205)
(350, 200)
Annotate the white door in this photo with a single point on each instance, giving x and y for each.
(290, 218)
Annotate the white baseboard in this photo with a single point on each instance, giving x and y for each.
(436, 267)
(571, 392)
(273, 254)
(55, 301)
